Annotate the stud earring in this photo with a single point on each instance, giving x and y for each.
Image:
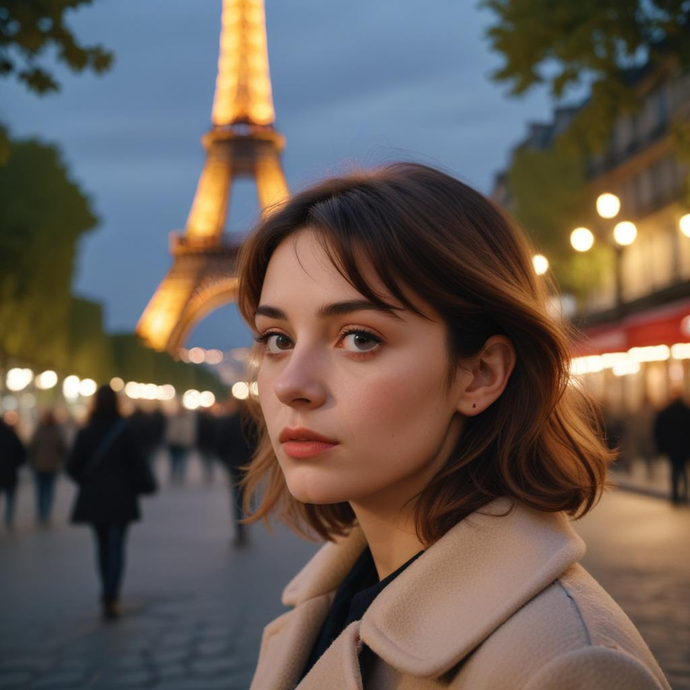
(474, 404)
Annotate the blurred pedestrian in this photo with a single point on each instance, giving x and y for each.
(12, 455)
(157, 428)
(142, 428)
(111, 470)
(180, 435)
(236, 441)
(206, 442)
(614, 429)
(672, 437)
(640, 434)
(47, 452)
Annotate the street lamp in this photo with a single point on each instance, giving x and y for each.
(624, 234)
(581, 239)
(608, 205)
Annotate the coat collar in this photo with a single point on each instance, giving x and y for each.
(459, 591)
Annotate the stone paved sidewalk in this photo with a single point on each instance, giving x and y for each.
(194, 607)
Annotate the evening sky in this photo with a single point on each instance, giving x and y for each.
(355, 82)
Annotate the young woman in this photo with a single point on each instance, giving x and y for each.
(416, 411)
(108, 464)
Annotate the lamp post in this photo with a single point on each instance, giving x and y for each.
(624, 234)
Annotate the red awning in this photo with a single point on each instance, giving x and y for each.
(664, 325)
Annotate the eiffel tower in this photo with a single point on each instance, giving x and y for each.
(241, 143)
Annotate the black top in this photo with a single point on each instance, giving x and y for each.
(354, 596)
(106, 488)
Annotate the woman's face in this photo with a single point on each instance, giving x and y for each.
(371, 382)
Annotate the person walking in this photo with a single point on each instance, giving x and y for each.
(12, 456)
(180, 435)
(672, 438)
(46, 456)
(235, 446)
(110, 469)
(638, 440)
(141, 424)
(205, 442)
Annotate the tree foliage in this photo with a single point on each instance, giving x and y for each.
(43, 214)
(551, 198)
(29, 28)
(563, 44)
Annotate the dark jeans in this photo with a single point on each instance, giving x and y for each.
(110, 549)
(237, 497)
(678, 474)
(10, 502)
(209, 463)
(45, 491)
(178, 462)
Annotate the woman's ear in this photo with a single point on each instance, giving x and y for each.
(484, 377)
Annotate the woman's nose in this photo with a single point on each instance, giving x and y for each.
(300, 382)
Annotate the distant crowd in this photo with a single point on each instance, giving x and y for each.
(110, 458)
(214, 434)
(651, 434)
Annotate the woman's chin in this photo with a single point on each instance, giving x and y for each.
(306, 492)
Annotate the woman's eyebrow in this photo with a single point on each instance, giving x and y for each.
(332, 309)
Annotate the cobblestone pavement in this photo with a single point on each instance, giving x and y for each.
(638, 548)
(194, 607)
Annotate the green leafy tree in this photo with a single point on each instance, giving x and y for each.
(28, 28)
(90, 349)
(550, 196)
(563, 44)
(43, 214)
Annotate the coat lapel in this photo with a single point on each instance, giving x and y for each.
(326, 569)
(286, 643)
(466, 585)
(338, 666)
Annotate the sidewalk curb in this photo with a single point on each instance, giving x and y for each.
(622, 482)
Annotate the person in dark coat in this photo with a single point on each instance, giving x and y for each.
(47, 452)
(104, 461)
(672, 438)
(205, 442)
(140, 422)
(235, 446)
(12, 455)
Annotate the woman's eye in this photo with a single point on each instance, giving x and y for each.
(281, 342)
(361, 341)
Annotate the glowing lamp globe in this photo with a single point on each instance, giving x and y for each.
(625, 233)
(608, 205)
(581, 239)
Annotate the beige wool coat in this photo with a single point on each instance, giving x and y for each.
(498, 603)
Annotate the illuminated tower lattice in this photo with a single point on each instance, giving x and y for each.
(241, 143)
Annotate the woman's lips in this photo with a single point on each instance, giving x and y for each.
(306, 449)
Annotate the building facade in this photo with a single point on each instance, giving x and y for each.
(636, 347)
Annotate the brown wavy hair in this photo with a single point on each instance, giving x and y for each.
(541, 441)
